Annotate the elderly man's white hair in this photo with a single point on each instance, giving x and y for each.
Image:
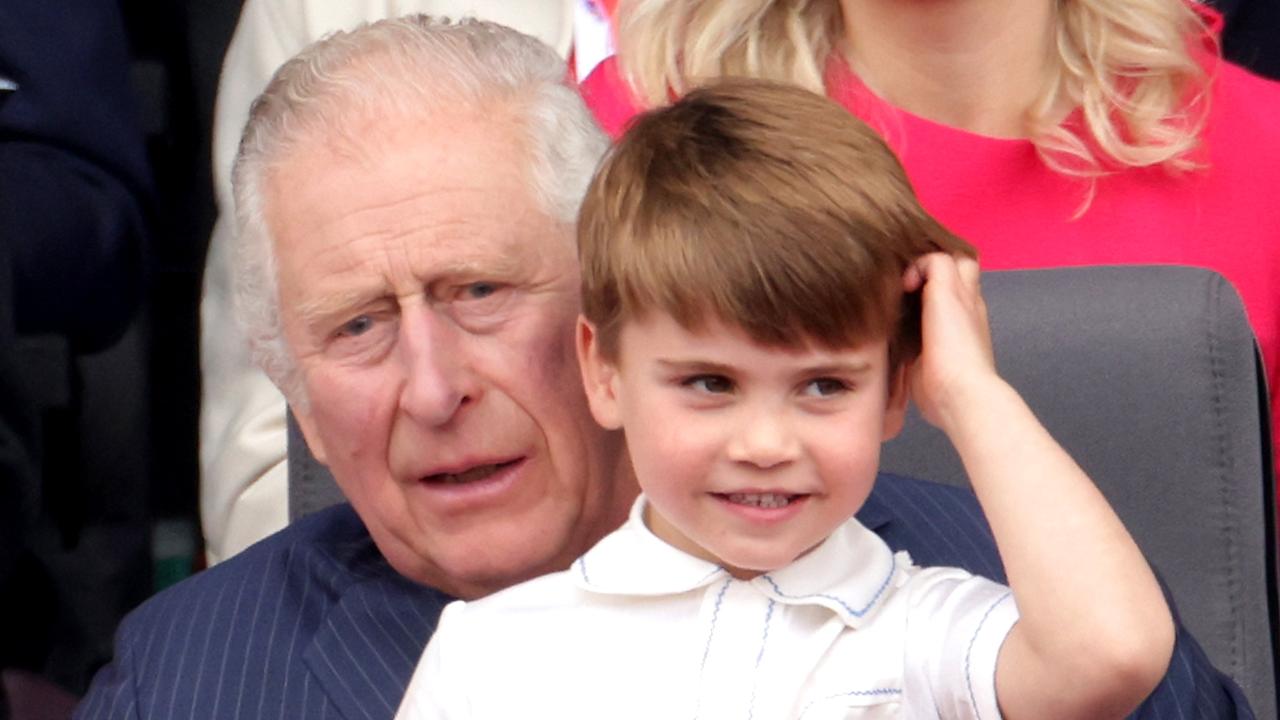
(404, 67)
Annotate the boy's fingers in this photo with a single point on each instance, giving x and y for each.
(969, 271)
(959, 273)
(926, 265)
(912, 278)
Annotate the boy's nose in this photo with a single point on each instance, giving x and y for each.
(763, 439)
(438, 381)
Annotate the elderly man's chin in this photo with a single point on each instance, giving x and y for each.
(480, 530)
(473, 554)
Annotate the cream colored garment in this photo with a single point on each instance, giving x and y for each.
(243, 491)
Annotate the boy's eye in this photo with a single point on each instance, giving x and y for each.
(714, 384)
(825, 387)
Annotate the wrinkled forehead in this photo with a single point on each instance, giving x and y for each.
(368, 163)
(424, 198)
(371, 136)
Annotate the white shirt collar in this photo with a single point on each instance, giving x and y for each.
(849, 573)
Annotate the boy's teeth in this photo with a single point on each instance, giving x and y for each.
(764, 500)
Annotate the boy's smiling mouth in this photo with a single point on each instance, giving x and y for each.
(767, 500)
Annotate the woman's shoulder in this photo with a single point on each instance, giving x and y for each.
(1244, 107)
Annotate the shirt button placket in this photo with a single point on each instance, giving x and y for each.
(733, 620)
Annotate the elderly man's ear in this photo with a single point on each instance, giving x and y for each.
(599, 377)
(307, 424)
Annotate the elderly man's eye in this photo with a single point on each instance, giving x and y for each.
(356, 326)
(480, 290)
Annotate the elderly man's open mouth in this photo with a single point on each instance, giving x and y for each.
(473, 474)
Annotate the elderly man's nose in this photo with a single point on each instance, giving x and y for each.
(438, 382)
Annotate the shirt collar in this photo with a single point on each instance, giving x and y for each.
(849, 573)
(633, 561)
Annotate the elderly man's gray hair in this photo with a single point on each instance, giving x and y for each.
(406, 67)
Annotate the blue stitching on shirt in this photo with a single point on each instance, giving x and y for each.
(582, 568)
(764, 640)
(714, 571)
(715, 614)
(768, 615)
(893, 565)
(864, 693)
(873, 691)
(968, 653)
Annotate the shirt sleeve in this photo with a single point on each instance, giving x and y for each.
(956, 624)
(438, 688)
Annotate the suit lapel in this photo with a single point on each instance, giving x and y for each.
(874, 514)
(368, 643)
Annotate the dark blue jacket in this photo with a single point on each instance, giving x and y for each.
(312, 622)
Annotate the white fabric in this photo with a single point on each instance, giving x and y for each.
(592, 37)
(243, 492)
(638, 629)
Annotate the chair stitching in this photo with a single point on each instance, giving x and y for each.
(1224, 464)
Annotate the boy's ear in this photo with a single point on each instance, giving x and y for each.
(599, 377)
(895, 409)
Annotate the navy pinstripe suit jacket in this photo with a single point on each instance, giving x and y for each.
(313, 623)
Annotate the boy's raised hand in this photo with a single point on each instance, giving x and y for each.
(1095, 634)
(956, 363)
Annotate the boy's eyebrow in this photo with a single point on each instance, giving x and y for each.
(703, 366)
(856, 367)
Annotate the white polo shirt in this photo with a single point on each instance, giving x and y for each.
(639, 629)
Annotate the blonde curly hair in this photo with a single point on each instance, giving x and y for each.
(1134, 68)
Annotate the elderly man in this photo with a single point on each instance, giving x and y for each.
(405, 195)
(243, 489)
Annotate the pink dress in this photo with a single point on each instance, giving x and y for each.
(997, 194)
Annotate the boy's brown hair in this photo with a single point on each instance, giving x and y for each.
(764, 206)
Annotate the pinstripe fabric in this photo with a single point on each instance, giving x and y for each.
(313, 623)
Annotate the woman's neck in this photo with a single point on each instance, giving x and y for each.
(978, 65)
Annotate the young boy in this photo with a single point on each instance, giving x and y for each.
(760, 290)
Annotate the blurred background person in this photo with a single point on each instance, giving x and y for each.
(1251, 34)
(75, 197)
